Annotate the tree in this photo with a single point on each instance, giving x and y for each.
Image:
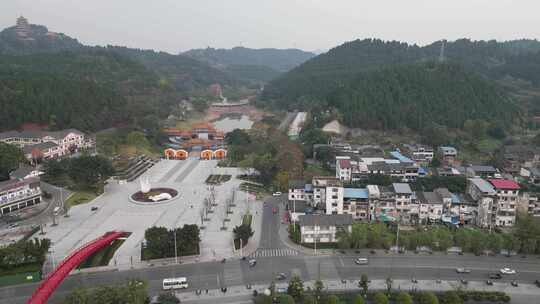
(286, 299)
(318, 288)
(78, 296)
(309, 299)
(296, 288)
(243, 232)
(238, 137)
(380, 298)
(10, 158)
(157, 242)
(358, 300)
(137, 139)
(451, 297)
(168, 298)
(427, 298)
(363, 284)
(332, 299)
(404, 298)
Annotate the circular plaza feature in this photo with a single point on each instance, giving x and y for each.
(154, 196)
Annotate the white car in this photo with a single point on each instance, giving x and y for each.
(463, 270)
(507, 270)
(276, 193)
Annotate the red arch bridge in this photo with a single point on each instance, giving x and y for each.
(53, 279)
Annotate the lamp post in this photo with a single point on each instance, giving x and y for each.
(175, 248)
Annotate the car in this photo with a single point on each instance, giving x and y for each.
(463, 270)
(414, 280)
(13, 225)
(464, 282)
(514, 283)
(94, 208)
(495, 276)
(281, 290)
(361, 261)
(281, 276)
(489, 282)
(274, 210)
(252, 262)
(276, 193)
(507, 270)
(537, 283)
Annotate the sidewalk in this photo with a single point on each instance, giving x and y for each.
(352, 285)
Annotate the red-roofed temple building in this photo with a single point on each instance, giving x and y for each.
(202, 141)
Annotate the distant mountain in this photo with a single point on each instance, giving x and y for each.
(321, 76)
(280, 60)
(52, 79)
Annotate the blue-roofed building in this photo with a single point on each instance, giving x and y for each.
(402, 158)
(356, 203)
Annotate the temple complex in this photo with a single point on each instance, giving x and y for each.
(202, 141)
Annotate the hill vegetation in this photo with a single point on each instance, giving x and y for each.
(42, 41)
(389, 84)
(276, 59)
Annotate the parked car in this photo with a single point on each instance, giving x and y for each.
(464, 282)
(276, 193)
(508, 270)
(94, 208)
(463, 270)
(537, 283)
(514, 283)
(252, 262)
(495, 276)
(281, 276)
(489, 282)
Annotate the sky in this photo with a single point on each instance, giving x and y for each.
(179, 25)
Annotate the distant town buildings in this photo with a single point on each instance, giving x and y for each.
(16, 194)
(42, 145)
(202, 141)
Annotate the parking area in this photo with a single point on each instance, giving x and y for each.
(116, 212)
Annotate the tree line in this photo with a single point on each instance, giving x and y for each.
(523, 238)
(23, 253)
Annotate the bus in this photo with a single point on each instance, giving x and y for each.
(175, 283)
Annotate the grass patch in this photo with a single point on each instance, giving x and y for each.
(33, 267)
(102, 257)
(217, 179)
(80, 197)
(20, 278)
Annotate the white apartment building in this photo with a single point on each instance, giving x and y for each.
(405, 201)
(334, 199)
(323, 228)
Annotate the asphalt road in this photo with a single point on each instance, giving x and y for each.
(270, 223)
(237, 272)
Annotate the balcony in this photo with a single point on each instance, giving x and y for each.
(16, 198)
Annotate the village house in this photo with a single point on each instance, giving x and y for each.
(315, 228)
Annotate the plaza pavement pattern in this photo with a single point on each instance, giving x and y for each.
(117, 212)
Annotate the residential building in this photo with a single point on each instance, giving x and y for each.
(482, 171)
(462, 210)
(47, 144)
(319, 184)
(343, 168)
(507, 193)
(431, 205)
(334, 199)
(448, 154)
(531, 174)
(484, 195)
(529, 203)
(300, 191)
(405, 202)
(316, 228)
(356, 203)
(19, 194)
(422, 154)
(25, 172)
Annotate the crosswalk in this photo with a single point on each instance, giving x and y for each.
(273, 252)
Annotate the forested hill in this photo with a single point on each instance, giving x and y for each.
(319, 76)
(40, 40)
(280, 60)
(87, 90)
(420, 96)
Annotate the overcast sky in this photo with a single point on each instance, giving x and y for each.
(179, 25)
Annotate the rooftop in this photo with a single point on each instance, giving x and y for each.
(482, 185)
(355, 193)
(402, 188)
(397, 155)
(344, 163)
(326, 220)
(40, 146)
(481, 168)
(504, 184)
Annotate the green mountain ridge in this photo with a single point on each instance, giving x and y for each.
(345, 76)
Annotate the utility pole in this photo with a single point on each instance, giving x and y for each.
(241, 253)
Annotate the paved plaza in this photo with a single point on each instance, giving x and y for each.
(117, 212)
